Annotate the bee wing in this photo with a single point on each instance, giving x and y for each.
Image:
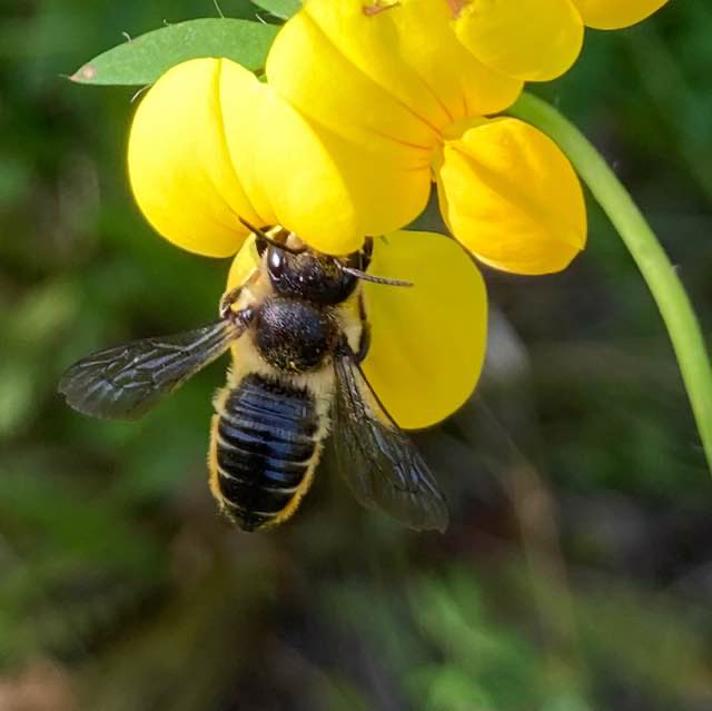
(125, 381)
(381, 466)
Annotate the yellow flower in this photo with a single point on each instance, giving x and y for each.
(393, 81)
(428, 340)
(210, 144)
(537, 40)
(367, 103)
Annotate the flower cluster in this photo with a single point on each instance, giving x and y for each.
(366, 104)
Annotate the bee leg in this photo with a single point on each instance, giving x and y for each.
(365, 340)
(230, 297)
(227, 300)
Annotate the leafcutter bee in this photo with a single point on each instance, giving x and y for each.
(298, 331)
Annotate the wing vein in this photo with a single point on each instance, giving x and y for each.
(380, 464)
(125, 381)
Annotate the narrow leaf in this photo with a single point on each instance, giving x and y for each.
(142, 60)
(280, 8)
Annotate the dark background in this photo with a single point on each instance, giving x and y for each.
(577, 571)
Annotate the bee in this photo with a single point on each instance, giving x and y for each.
(298, 332)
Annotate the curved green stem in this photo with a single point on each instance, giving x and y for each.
(654, 265)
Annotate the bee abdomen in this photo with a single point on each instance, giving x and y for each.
(264, 446)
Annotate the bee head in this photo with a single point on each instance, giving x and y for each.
(306, 274)
(296, 270)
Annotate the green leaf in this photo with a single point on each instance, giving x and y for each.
(280, 8)
(142, 60)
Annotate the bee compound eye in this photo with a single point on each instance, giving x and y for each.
(275, 262)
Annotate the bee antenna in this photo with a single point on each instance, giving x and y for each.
(263, 235)
(387, 281)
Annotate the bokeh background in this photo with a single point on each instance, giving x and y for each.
(577, 572)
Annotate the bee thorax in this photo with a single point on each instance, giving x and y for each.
(294, 336)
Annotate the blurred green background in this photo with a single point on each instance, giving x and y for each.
(577, 572)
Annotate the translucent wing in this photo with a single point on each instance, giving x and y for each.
(125, 381)
(380, 464)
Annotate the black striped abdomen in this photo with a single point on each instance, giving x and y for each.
(264, 444)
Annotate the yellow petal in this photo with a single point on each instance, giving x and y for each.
(306, 66)
(179, 168)
(243, 266)
(427, 341)
(386, 195)
(532, 40)
(210, 144)
(614, 14)
(245, 262)
(326, 189)
(406, 51)
(510, 196)
(462, 85)
(285, 167)
(377, 89)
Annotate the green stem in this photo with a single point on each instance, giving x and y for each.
(654, 265)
